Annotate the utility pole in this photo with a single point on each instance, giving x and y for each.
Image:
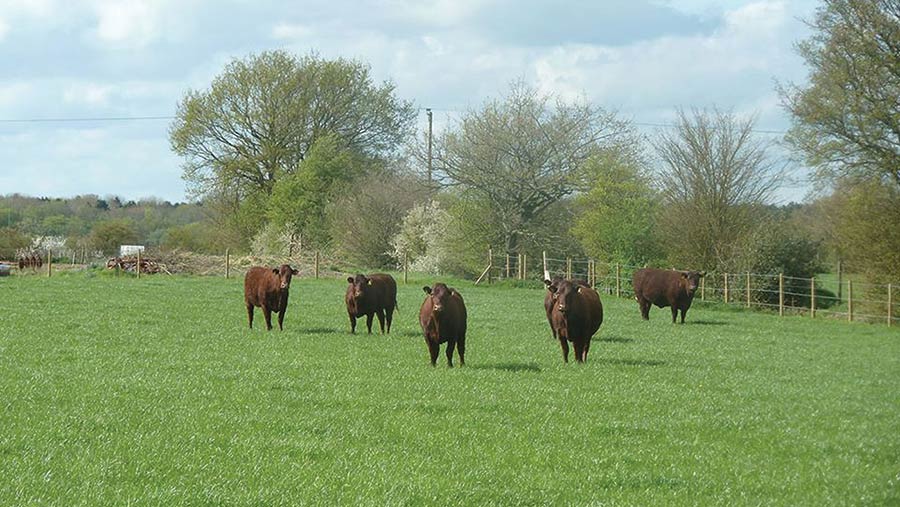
(428, 111)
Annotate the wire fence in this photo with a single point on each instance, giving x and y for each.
(854, 300)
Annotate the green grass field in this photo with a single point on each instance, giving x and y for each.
(154, 392)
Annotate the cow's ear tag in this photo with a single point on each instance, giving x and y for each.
(370, 282)
(579, 290)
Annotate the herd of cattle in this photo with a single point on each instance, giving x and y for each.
(573, 307)
(32, 260)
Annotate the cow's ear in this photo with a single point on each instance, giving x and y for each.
(684, 274)
(552, 288)
(350, 279)
(276, 271)
(369, 282)
(294, 271)
(579, 289)
(547, 282)
(702, 273)
(427, 289)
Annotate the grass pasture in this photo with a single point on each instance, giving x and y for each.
(154, 392)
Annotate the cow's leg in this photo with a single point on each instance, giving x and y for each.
(433, 349)
(579, 351)
(565, 349)
(587, 347)
(645, 309)
(683, 311)
(451, 344)
(250, 314)
(281, 319)
(461, 347)
(389, 316)
(352, 323)
(267, 313)
(380, 315)
(369, 317)
(674, 313)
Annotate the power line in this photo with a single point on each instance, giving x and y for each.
(88, 119)
(159, 118)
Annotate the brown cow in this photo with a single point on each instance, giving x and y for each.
(375, 294)
(550, 297)
(268, 289)
(443, 319)
(663, 287)
(576, 315)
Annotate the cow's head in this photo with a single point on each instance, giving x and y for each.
(440, 294)
(285, 273)
(360, 285)
(564, 293)
(691, 280)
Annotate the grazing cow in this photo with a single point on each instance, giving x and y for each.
(663, 287)
(268, 289)
(21, 264)
(575, 316)
(550, 297)
(370, 295)
(443, 319)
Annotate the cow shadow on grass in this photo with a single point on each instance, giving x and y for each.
(614, 339)
(510, 367)
(702, 322)
(631, 362)
(323, 330)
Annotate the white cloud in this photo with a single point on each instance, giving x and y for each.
(132, 23)
(291, 31)
(87, 93)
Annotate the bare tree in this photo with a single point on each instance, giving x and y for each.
(522, 154)
(715, 178)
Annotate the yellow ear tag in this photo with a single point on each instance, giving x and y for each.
(370, 282)
(579, 290)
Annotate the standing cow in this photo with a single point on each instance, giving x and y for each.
(370, 295)
(663, 287)
(550, 297)
(268, 289)
(575, 316)
(443, 319)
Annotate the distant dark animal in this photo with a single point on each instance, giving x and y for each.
(443, 319)
(375, 294)
(550, 296)
(21, 263)
(268, 289)
(663, 287)
(575, 316)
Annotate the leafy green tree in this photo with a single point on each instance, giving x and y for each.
(847, 120)
(299, 199)
(619, 213)
(263, 114)
(108, 236)
(11, 240)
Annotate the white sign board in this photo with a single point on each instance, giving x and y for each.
(126, 250)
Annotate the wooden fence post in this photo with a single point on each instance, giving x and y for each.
(507, 265)
(890, 304)
(850, 300)
(591, 272)
(812, 299)
(748, 289)
(618, 280)
(524, 266)
(49, 262)
(138, 269)
(519, 266)
(568, 268)
(405, 267)
(490, 263)
(726, 288)
(316, 265)
(227, 263)
(544, 264)
(781, 294)
(703, 288)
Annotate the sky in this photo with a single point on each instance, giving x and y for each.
(96, 59)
